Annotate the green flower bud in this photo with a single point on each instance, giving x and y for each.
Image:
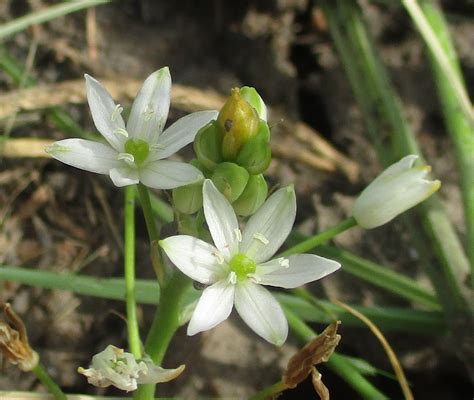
(256, 154)
(238, 122)
(207, 145)
(188, 199)
(230, 179)
(252, 197)
(254, 99)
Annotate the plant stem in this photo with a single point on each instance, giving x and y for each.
(47, 381)
(129, 264)
(164, 325)
(458, 125)
(269, 391)
(153, 233)
(337, 363)
(320, 238)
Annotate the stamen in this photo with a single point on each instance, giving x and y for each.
(127, 157)
(232, 278)
(219, 257)
(284, 262)
(238, 234)
(121, 131)
(255, 278)
(261, 238)
(148, 112)
(117, 111)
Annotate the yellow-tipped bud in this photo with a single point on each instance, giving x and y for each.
(238, 122)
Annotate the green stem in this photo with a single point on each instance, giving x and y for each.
(316, 240)
(153, 233)
(164, 325)
(132, 323)
(337, 363)
(458, 125)
(269, 392)
(47, 381)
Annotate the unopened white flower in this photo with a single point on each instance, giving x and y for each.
(115, 367)
(135, 152)
(238, 264)
(400, 187)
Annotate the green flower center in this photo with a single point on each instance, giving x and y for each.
(242, 266)
(138, 148)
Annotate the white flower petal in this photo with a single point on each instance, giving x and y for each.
(166, 174)
(155, 374)
(181, 133)
(221, 219)
(398, 167)
(214, 306)
(85, 154)
(105, 113)
(399, 188)
(124, 176)
(261, 312)
(301, 269)
(268, 228)
(150, 108)
(194, 257)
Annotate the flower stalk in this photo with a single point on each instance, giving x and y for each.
(129, 234)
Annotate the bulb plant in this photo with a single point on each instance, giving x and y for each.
(230, 230)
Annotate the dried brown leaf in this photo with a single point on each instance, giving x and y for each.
(14, 343)
(315, 352)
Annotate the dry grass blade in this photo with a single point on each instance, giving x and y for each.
(25, 147)
(313, 150)
(388, 349)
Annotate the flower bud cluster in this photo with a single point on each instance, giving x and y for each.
(233, 151)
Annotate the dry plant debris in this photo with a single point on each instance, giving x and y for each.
(302, 364)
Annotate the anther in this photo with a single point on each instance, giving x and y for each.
(219, 257)
(121, 131)
(284, 262)
(232, 278)
(261, 238)
(238, 234)
(117, 111)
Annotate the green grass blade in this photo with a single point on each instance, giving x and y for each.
(450, 73)
(458, 125)
(148, 292)
(391, 134)
(381, 276)
(48, 14)
(389, 319)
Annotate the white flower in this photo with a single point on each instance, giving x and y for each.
(115, 367)
(237, 266)
(135, 152)
(400, 187)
